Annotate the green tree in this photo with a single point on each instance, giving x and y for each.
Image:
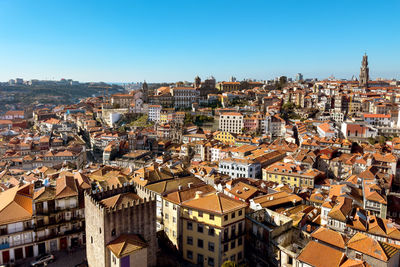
(188, 118)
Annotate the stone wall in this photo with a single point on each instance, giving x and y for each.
(104, 225)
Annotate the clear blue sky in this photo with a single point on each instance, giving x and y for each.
(123, 41)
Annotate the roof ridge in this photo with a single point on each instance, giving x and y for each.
(219, 202)
(122, 247)
(386, 247)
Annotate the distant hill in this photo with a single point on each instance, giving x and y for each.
(20, 95)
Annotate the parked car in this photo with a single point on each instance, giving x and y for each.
(44, 259)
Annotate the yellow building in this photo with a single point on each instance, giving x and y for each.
(291, 174)
(165, 115)
(172, 210)
(213, 227)
(225, 137)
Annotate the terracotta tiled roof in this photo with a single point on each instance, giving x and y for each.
(330, 237)
(119, 200)
(180, 196)
(369, 246)
(66, 187)
(16, 204)
(354, 263)
(214, 203)
(126, 244)
(275, 199)
(244, 191)
(319, 255)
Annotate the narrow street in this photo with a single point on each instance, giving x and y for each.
(62, 259)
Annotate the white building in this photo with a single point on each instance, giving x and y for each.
(237, 168)
(184, 97)
(274, 125)
(337, 116)
(379, 120)
(358, 130)
(326, 130)
(154, 112)
(231, 122)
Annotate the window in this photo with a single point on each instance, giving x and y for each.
(100, 230)
(166, 216)
(91, 239)
(211, 231)
(226, 217)
(240, 241)
(240, 228)
(239, 255)
(189, 226)
(233, 258)
(200, 214)
(113, 232)
(200, 228)
(210, 261)
(189, 240)
(166, 204)
(233, 244)
(226, 247)
(190, 212)
(210, 246)
(211, 217)
(233, 215)
(189, 254)
(200, 243)
(174, 219)
(240, 212)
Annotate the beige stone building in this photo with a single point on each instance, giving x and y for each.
(231, 122)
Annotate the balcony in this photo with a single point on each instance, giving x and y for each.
(4, 245)
(228, 238)
(59, 221)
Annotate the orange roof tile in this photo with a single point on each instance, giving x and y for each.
(319, 255)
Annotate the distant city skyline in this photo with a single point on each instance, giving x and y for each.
(168, 41)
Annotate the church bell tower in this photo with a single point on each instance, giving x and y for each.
(364, 72)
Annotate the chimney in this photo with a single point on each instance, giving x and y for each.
(198, 194)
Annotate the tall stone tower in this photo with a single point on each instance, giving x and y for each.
(197, 82)
(145, 90)
(364, 72)
(114, 214)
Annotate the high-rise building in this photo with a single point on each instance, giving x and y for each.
(364, 72)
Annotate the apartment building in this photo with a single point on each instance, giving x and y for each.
(213, 227)
(171, 210)
(274, 125)
(237, 168)
(291, 174)
(154, 112)
(38, 221)
(231, 122)
(184, 97)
